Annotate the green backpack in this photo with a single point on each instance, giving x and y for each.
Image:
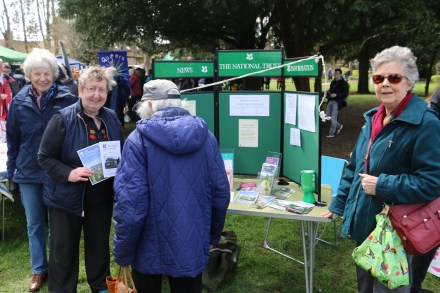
(223, 258)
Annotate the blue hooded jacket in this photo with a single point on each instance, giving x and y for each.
(171, 195)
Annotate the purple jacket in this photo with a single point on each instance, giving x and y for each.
(172, 194)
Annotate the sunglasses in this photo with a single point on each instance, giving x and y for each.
(392, 78)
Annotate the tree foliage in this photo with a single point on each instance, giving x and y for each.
(341, 29)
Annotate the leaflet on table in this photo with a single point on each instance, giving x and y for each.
(283, 192)
(263, 201)
(93, 157)
(246, 196)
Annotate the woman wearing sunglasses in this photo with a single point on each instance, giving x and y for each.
(394, 159)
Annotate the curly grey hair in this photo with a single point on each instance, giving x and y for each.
(97, 73)
(40, 58)
(402, 56)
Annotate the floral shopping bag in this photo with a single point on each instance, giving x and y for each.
(382, 253)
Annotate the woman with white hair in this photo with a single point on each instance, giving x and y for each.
(171, 194)
(29, 113)
(395, 159)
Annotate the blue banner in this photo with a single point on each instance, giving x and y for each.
(116, 59)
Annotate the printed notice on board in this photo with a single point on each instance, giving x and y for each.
(306, 113)
(248, 133)
(190, 106)
(249, 105)
(290, 109)
(295, 137)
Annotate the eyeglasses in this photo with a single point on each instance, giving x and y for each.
(392, 78)
(92, 90)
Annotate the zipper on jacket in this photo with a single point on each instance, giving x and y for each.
(84, 187)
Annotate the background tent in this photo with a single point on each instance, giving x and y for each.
(9, 55)
(73, 63)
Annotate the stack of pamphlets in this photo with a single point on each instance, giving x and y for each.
(246, 196)
(263, 201)
(300, 207)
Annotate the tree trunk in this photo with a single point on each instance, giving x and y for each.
(429, 73)
(364, 65)
(23, 22)
(7, 34)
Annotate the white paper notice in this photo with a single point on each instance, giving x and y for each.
(291, 109)
(248, 133)
(249, 105)
(306, 112)
(295, 136)
(110, 156)
(190, 106)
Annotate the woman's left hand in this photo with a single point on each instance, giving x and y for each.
(368, 183)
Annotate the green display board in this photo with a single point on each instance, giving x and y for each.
(238, 113)
(306, 155)
(183, 69)
(204, 106)
(301, 67)
(236, 63)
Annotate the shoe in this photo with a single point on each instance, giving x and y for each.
(330, 136)
(36, 282)
(339, 129)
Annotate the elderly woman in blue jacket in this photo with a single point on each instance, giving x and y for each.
(171, 194)
(29, 113)
(394, 159)
(75, 204)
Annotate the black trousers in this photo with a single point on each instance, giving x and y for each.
(65, 230)
(420, 265)
(153, 283)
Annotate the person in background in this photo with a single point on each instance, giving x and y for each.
(29, 113)
(119, 95)
(7, 69)
(5, 90)
(336, 95)
(135, 91)
(64, 78)
(74, 204)
(171, 194)
(392, 160)
(19, 81)
(420, 263)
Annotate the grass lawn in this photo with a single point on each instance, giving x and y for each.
(258, 269)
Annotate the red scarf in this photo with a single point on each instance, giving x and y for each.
(380, 120)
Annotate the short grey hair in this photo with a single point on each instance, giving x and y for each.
(97, 73)
(40, 58)
(144, 111)
(402, 56)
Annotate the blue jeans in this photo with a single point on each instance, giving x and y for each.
(32, 200)
(333, 111)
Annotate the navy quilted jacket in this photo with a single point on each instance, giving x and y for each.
(171, 195)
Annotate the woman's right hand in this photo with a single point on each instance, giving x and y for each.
(80, 174)
(327, 214)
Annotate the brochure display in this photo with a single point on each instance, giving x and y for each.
(102, 158)
(228, 159)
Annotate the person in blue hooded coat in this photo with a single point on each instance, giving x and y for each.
(171, 194)
(394, 160)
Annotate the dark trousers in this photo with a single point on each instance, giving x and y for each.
(420, 265)
(153, 283)
(65, 243)
(120, 113)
